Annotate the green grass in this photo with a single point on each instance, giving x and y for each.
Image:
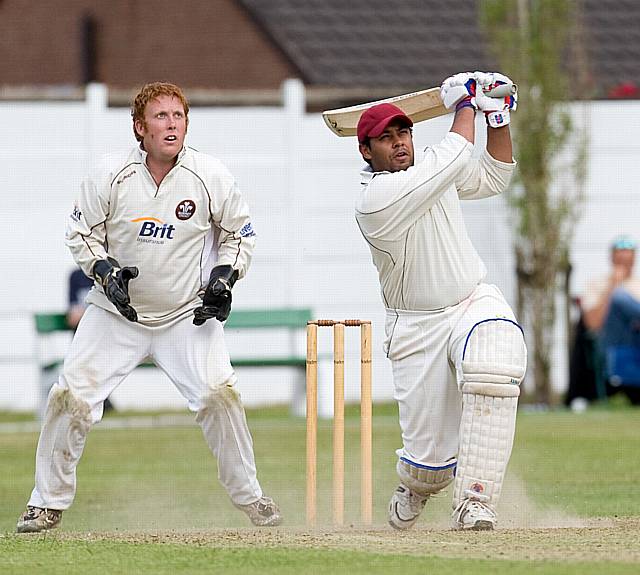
(63, 558)
(587, 463)
(146, 480)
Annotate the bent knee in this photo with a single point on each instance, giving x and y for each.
(222, 395)
(63, 402)
(494, 354)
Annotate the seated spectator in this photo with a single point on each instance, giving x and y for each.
(611, 311)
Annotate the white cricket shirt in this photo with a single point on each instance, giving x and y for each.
(413, 224)
(173, 233)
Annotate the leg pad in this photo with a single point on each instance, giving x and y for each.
(425, 479)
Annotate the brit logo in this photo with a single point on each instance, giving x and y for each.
(247, 231)
(185, 209)
(154, 231)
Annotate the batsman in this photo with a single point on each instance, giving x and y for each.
(165, 233)
(457, 352)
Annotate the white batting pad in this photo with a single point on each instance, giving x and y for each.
(494, 363)
(487, 428)
(495, 353)
(425, 479)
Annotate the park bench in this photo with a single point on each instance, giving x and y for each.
(291, 319)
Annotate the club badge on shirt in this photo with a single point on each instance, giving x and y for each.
(185, 209)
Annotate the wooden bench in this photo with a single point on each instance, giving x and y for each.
(291, 319)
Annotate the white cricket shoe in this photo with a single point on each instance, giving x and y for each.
(264, 512)
(474, 514)
(405, 507)
(36, 519)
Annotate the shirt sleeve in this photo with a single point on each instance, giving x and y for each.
(86, 232)
(484, 177)
(394, 201)
(593, 292)
(236, 237)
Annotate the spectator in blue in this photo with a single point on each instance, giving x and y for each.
(611, 310)
(79, 287)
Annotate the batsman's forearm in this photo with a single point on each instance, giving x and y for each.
(464, 124)
(499, 144)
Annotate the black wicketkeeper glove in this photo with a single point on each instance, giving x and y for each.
(216, 301)
(115, 283)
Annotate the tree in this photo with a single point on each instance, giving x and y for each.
(538, 43)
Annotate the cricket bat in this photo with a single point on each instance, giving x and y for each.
(419, 106)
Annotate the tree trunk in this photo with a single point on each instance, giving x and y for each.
(543, 308)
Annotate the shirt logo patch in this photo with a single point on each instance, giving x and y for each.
(247, 231)
(185, 209)
(477, 487)
(76, 214)
(154, 231)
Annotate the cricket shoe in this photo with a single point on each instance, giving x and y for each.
(474, 513)
(405, 507)
(263, 513)
(36, 519)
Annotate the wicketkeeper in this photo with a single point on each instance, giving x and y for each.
(458, 355)
(165, 233)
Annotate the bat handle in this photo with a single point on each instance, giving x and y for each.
(501, 91)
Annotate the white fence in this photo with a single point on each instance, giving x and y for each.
(300, 181)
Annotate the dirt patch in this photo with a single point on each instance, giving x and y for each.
(601, 540)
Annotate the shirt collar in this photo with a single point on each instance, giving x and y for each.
(143, 154)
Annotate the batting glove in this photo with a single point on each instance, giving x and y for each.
(216, 300)
(459, 90)
(496, 110)
(490, 80)
(115, 284)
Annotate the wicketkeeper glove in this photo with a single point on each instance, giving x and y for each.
(216, 301)
(115, 284)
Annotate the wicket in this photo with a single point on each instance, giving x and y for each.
(366, 481)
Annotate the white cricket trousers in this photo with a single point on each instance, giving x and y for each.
(425, 349)
(104, 350)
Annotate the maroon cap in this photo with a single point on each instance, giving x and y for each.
(375, 119)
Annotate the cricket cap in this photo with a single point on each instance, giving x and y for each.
(375, 119)
(623, 242)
